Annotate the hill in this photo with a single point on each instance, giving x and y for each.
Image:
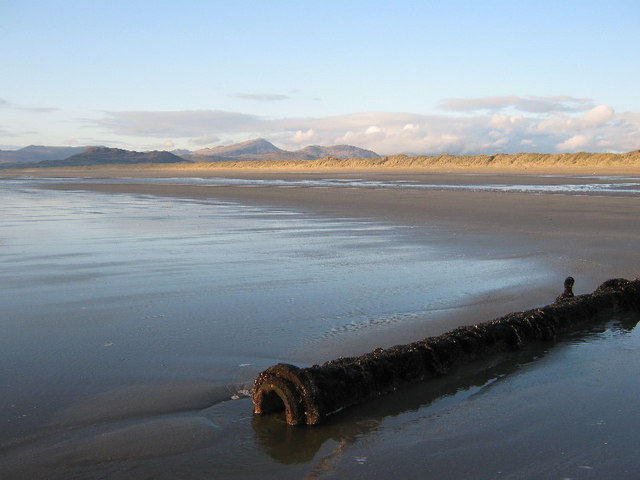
(37, 153)
(336, 151)
(259, 146)
(106, 155)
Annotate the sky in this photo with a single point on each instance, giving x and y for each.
(416, 77)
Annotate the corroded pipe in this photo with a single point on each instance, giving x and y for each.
(309, 395)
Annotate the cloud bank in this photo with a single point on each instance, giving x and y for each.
(531, 104)
(488, 125)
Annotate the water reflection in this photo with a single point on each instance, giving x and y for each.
(291, 445)
(555, 184)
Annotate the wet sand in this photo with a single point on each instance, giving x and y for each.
(551, 411)
(590, 236)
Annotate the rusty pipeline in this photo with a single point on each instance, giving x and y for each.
(309, 395)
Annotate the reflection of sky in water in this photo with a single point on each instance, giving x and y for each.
(218, 265)
(596, 185)
(107, 287)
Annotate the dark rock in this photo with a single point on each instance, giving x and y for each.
(568, 290)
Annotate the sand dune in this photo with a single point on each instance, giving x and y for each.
(523, 161)
(518, 161)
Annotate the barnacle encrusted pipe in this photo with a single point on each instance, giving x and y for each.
(309, 395)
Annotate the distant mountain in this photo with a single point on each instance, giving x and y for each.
(37, 153)
(337, 151)
(259, 146)
(261, 149)
(181, 152)
(106, 155)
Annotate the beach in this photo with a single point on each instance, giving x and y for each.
(332, 263)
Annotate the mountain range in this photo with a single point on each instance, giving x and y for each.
(261, 149)
(252, 150)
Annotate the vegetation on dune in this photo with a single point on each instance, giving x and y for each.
(520, 161)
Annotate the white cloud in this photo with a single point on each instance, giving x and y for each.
(576, 142)
(595, 117)
(506, 121)
(375, 133)
(598, 115)
(301, 137)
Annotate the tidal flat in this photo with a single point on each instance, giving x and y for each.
(137, 311)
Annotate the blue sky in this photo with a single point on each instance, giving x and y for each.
(405, 76)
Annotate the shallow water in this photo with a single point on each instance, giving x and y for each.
(133, 326)
(558, 410)
(611, 185)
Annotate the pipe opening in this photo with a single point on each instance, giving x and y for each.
(271, 401)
